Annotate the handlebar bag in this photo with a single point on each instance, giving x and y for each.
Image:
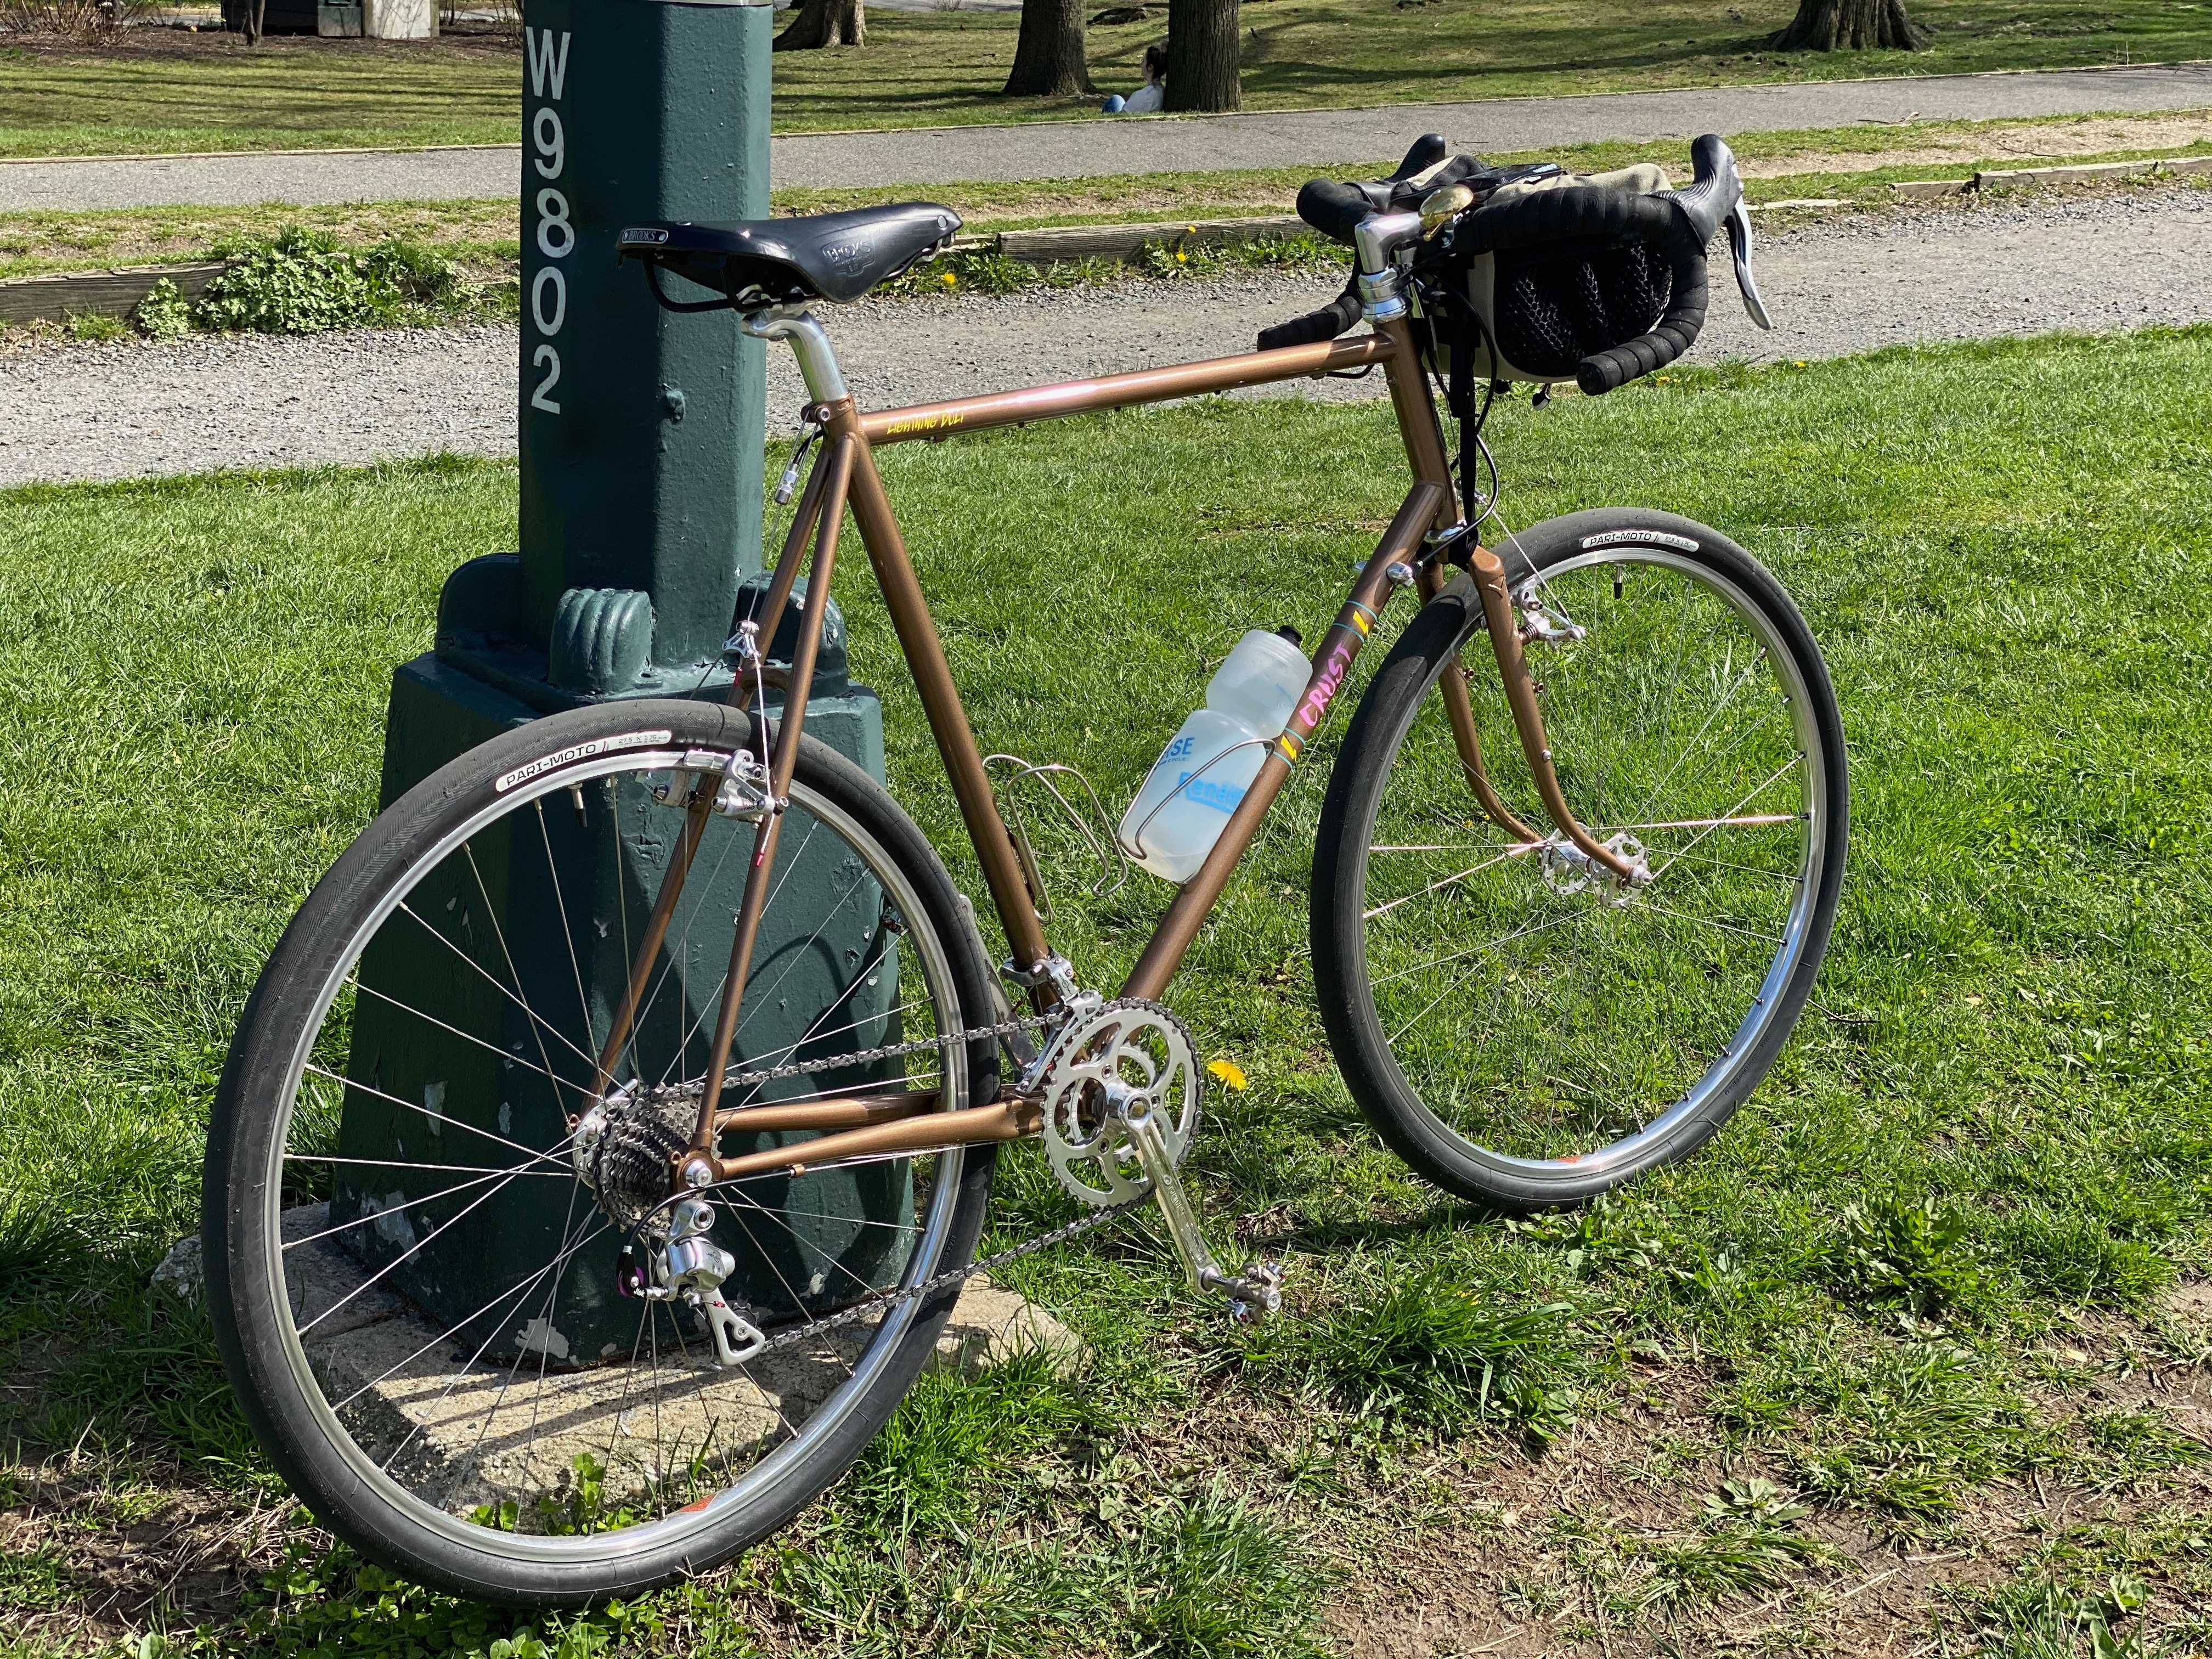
(1532, 311)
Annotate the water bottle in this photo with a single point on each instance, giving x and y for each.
(1186, 802)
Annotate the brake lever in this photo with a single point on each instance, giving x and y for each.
(1738, 230)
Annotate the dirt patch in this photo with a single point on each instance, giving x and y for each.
(1533, 1560)
(124, 1557)
(2191, 1305)
(2028, 142)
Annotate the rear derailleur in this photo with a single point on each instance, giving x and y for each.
(689, 1268)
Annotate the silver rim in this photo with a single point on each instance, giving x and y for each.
(933, 1011)
(1565, 1033)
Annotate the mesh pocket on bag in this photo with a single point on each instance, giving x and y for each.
(1554, 307)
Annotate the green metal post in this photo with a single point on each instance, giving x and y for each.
(641, 460)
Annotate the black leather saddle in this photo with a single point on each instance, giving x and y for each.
(817, 256)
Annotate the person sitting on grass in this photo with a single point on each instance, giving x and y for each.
(1147, 99)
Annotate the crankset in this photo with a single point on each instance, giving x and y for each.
(1120, 1083)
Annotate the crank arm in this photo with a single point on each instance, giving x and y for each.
(1257, 1292)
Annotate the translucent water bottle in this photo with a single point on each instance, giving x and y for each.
(1197, 783)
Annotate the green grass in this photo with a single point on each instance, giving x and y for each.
(1887, 1288)
(1856, 165)
(932, 69)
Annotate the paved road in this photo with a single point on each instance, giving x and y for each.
(1951, 273)
(1072, 149)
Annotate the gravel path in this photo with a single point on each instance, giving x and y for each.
(1076, 150)
(1835, 287)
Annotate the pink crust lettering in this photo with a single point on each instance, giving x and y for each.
(1317, 703)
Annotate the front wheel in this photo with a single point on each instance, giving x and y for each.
(1521, 1029)
(416, 1197)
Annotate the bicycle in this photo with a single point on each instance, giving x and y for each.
(1530, 1016)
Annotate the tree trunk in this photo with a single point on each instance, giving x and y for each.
(1202, 55)
(1850, 25)
(826, 23)
(1049, 57)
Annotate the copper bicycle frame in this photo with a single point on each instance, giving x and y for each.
(845, 475)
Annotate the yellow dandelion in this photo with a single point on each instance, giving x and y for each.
(1193, 229)
(1800, 362)
(951, 280)
(1230, 1075)
(1183, 258)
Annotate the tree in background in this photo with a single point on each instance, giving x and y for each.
(1202, 60)
(1844, 24)
(826, 23)
(1049, 57)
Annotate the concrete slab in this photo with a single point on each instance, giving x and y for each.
(485, 1433)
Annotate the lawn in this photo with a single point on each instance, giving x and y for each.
(171, 92)
(1916, 1356)
(1854, 165)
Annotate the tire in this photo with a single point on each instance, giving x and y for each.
(1606, 1030)
(258, 1295)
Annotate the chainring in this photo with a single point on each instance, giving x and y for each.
(1140, 1052)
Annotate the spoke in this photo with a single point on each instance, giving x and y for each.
(368, 1217)
(412, 1250)
(1475, 950)
(1759, 789)
(529, 1013)
(532, 1153)
(491, 915)
(798, 1302)
(1719, 709)
(507, 1055)
(1460, 847)
(570, 1245)
(443, 1168)
(779, 1057)
(752, 1204)
(1724, 926)
(1666, 707)
(561, 907)
(552, 1304)
(674, 964)
(1514, 852)
(521, 1288)
(461, 1375)
(1748, 821)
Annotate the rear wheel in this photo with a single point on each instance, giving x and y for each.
(1522, 1030)
(413, 1259)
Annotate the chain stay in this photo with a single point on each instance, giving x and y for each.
(883, 1300)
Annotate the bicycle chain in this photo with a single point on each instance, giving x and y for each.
(869, 1056)
(929, 1287)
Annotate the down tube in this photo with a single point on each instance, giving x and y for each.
(1171, 942)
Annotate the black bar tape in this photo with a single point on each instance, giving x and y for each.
(1331, 320)
(1335, 210)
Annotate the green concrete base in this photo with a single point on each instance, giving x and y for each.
(569, 958)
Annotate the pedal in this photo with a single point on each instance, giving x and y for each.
(1253, 1294)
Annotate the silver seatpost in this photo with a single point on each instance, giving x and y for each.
(810, 344)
